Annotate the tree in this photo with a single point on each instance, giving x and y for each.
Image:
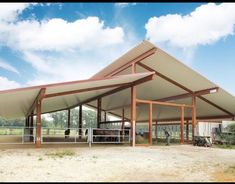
(228, 137)
(59, 119)
(89, 119)
(74, 118)
(19, 122)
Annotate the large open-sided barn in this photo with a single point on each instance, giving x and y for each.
(145, 85)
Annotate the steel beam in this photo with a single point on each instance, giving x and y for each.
(133, 109)
(31, 127)
(150, 123)
(134, 61)
(80, 121)
(187, 130)
(182, 126)
(187, 95)
(208, 118)
(193, 116)
(99, 104)
(38, 130)
(216, 106)
(163, 103)
(68, 118)
(126, 86)
(84, 90)
(32, 107)
(38, 122)
(182, 87)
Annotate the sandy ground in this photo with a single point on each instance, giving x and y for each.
(116, 163)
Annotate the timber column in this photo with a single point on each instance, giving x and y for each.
(150, 123)
(98, 112)
(38, 112)
(182, 126)
(187, 128)
(31, 128)
(133, 109)
(156, 131)
(80, 122)
(193, 116)
(68, 118)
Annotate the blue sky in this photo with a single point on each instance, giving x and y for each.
(54, 42)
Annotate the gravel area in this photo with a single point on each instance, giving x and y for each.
(114, 163)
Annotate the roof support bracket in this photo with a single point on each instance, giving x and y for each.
(39, 97)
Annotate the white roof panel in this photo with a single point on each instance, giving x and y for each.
(17, 102)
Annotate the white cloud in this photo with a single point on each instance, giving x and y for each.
(71, 66)
(7, 84)
(59, 35)
(59, 50)
(10, 11)
(6, 66)
(205, 25)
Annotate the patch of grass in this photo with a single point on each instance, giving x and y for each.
(224, 175)
(230, 169)
(61, 154)
(141, 140)
(224, 146)
(94, 156)
(40, 159)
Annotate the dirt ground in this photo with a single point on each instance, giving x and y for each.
(116, 163)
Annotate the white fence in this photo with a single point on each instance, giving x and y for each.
(27, 135)
(67, 135)
(100, 135)
(17, 135)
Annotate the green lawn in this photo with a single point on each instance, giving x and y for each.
(224, 146)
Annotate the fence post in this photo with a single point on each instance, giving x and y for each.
(90, 136)
(23, 129)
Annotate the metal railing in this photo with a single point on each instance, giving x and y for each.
(17, 135)
(27, 135)
(64, 135)
(101, 135)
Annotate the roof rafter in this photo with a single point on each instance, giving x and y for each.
(183, 87)
(133, 61)
(40, 96)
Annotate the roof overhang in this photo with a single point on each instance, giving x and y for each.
(59, 96)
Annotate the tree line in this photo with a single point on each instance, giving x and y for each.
(58, 119)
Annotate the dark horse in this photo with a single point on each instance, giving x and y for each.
(66, 133)
(101, 135)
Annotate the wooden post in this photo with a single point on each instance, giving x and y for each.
(193, 116)
(68, 118)
(105, 116)
(150, 123)
(133, 109)
(156, 131)
(182, 126)
(80, 122)
(123, 118)
(187, 130)
(27, 121)
(38, 130)
(123, 123)
(31, 127)
(98, 112)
